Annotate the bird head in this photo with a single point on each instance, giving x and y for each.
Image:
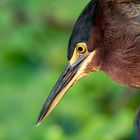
(81, 52)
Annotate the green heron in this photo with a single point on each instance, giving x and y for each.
(106, 37)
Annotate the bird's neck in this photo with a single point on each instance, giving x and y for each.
(119, 50)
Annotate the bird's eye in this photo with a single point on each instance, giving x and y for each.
(81, 48)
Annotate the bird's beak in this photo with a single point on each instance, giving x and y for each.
(71, 74)
(66, 80)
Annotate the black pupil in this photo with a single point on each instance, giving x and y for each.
(80, 49)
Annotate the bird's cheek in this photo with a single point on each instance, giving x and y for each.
(87, 65)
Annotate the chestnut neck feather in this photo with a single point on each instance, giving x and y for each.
(118, 44)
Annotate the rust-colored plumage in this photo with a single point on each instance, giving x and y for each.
(118, 42)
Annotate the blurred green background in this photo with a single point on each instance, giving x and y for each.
(33, 47)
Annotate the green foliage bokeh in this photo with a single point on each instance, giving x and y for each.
(34, 36)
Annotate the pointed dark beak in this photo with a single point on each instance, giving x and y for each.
(66, 80)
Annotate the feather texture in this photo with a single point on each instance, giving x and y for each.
(121, 42)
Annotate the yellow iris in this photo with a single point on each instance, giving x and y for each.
(81, 47)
